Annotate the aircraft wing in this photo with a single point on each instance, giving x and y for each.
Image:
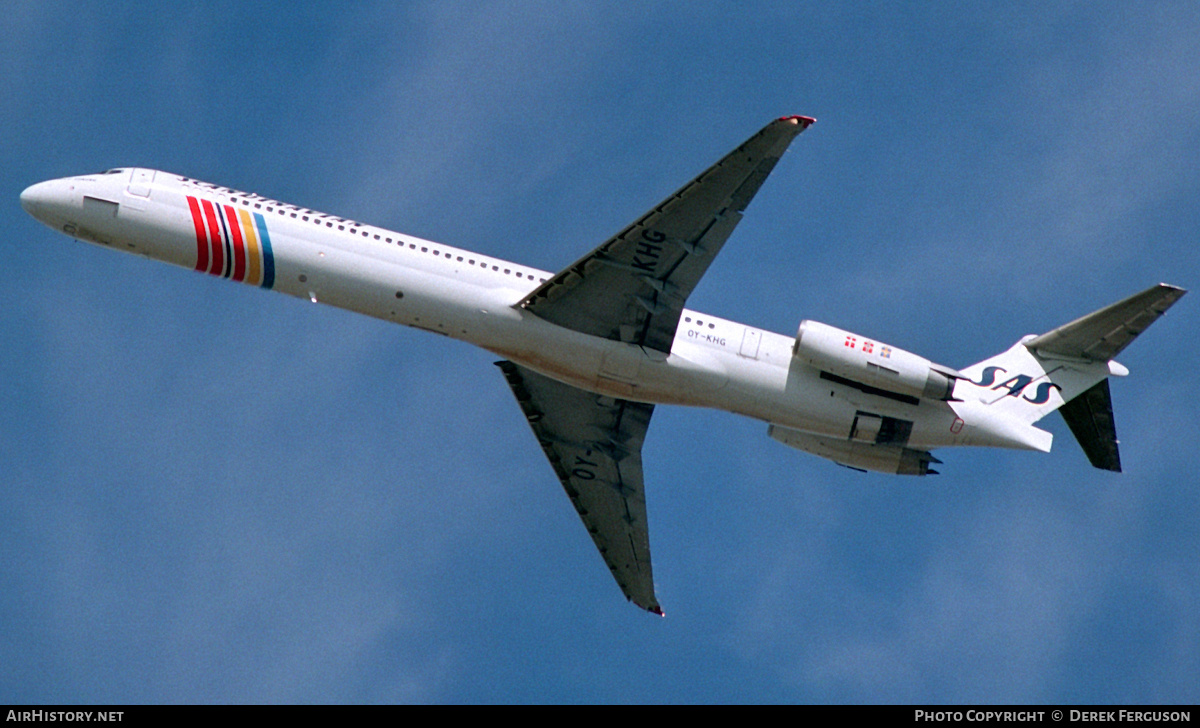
(594, 444)
(633, 287)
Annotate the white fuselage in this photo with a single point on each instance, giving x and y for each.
(713, 362)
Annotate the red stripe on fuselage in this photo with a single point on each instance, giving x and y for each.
(201, 238)
(239, 250)
(214, 236)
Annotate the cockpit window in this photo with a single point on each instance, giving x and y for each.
(112, 171)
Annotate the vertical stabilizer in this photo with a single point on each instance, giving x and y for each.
(1067, 369)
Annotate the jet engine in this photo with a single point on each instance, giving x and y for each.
(870, 362)
(858, 455)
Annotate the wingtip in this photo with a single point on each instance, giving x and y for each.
(803, 121)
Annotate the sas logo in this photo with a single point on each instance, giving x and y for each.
(1016, 384)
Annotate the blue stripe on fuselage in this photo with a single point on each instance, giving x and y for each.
(268, 258)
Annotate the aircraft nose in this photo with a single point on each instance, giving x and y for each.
(31, 196)
(39, 200)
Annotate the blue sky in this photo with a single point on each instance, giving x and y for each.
(210, 493)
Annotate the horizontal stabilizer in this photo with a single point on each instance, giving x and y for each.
(1090, 417)
(1103, 334)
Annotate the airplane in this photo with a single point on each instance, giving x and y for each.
(590, 351)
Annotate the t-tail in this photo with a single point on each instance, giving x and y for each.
(1065, 369)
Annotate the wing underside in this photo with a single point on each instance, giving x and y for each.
(594, 444)
(632, 289)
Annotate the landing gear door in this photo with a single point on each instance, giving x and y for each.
(139, 182)
(866, 427)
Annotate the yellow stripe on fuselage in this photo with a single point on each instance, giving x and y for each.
(253, 263)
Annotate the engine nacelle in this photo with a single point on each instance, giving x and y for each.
(869, 362)
(858, 455)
